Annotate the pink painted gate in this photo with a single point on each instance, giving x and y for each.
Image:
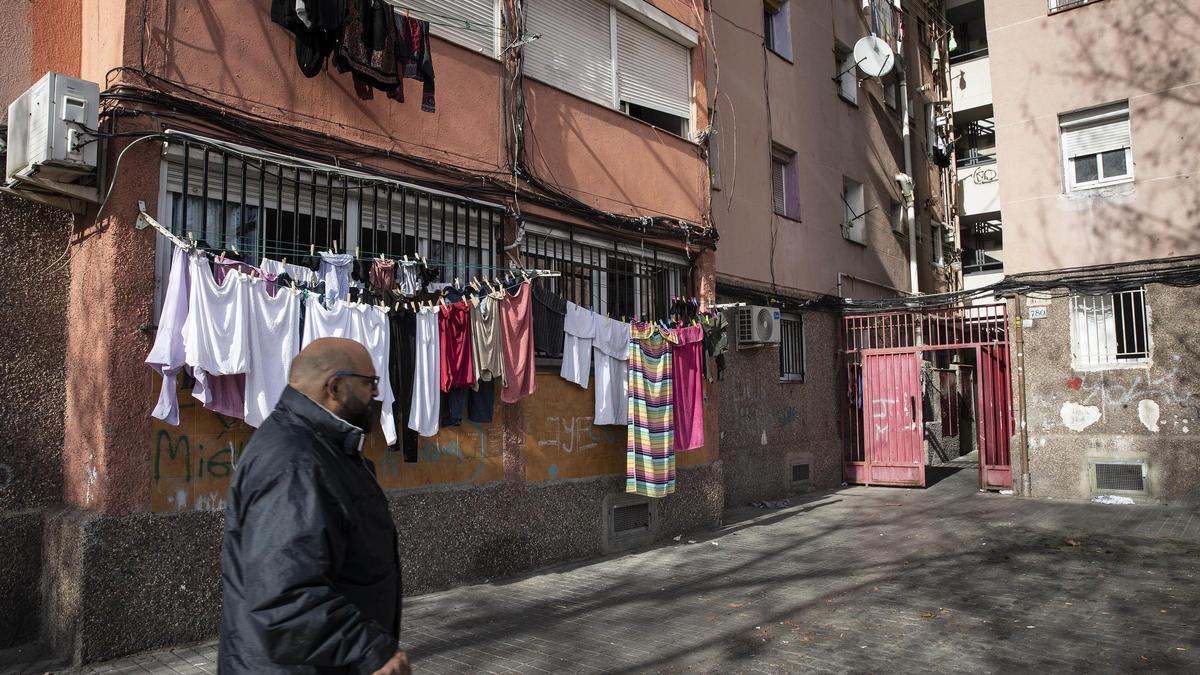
(892, 422)
(883, 431)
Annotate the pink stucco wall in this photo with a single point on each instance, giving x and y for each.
(796, 105)
(1043, 65)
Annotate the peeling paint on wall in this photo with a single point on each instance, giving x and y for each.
(1148, 414)
(1079, 417)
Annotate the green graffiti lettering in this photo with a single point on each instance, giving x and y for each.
(173, 450)
(218, 466)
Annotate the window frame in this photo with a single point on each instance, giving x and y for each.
(849, 201)
(845, 68)
(798, 351)
(1100, 117)
(777, 28)
(785, 159)
(1085, 347)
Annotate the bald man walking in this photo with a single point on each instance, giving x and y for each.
(309, 561)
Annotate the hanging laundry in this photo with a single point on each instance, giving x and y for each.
(516, 313)
(335, 272)
(716, 340)
(221, 266)
(408, 278)
(368, 47)
(687, 387)
(549, 314)
(274, 341)
(454, 327)
(414, 58)
(297, 273)
(367, 325)
(216, 337)
(611, 348)
(650, 448)
(487, 351)
(167, 356)
(579, 330)
(316, 25)
(423, 416)
(383, 275)
(401, 362)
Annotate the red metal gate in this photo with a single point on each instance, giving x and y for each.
(895, 454)
(883, 430)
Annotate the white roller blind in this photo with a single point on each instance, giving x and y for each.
(1097, 130)
(652, 70)
(574, 51)
(470, 23)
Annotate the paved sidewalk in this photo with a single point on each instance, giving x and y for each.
(861, 580)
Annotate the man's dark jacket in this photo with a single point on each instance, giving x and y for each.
(309, 561)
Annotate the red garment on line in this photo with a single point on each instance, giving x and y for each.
(687, 362)
(516, 322)
(454, 330)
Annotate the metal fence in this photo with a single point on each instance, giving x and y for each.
(612, 278)
(791, 348)
(265, 208)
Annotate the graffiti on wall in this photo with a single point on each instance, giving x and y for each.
(192, 464)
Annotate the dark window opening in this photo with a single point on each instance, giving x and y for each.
(666, 121)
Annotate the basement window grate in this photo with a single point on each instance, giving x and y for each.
(1120, 476)
(631, 517)
(799, 472)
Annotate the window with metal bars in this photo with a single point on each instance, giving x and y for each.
(273, 208)
(1109, 330)
(613, 278)
(791, 348)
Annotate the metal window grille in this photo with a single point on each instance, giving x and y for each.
(1109, 329)
(267, 208)
(800, 472)
(611, 278)
(791, 348)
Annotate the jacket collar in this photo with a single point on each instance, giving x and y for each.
(332, 429)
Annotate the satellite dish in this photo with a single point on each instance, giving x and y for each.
(874, 56)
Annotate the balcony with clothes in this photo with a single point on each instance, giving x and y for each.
(970, 74)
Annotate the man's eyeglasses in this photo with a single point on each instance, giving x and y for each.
(374, 379)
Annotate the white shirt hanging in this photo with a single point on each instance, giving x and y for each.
(274, 342)
(167, 356)
(366, 325)
(215, 332)
(424, 414)
(611, 348)
(579, 329)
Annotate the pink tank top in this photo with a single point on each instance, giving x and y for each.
(687, 361)
(516, 319)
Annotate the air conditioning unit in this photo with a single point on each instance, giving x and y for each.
(50, 158)
(757, 325)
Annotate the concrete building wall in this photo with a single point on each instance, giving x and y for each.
(796, 105)
(767, 426)
(1045, 64)
(32, 313)
(1145, 412)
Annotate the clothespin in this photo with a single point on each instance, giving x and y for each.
(457, 286)
(406, 14)
(335, 245)
(285, 261)
(312, 250)
(356, 251)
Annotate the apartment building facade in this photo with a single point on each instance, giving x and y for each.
(804, 157)
(1073, 124)
(561, 136)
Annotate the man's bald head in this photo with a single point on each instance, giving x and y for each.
(317, 362)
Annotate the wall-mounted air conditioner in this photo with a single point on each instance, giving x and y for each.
(757, 325)
(51, 157)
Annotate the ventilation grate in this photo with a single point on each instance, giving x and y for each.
(631, 517)
(1122, 477)
(799, 472)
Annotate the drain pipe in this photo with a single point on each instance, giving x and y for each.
(910, 199)
(1019, 329)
